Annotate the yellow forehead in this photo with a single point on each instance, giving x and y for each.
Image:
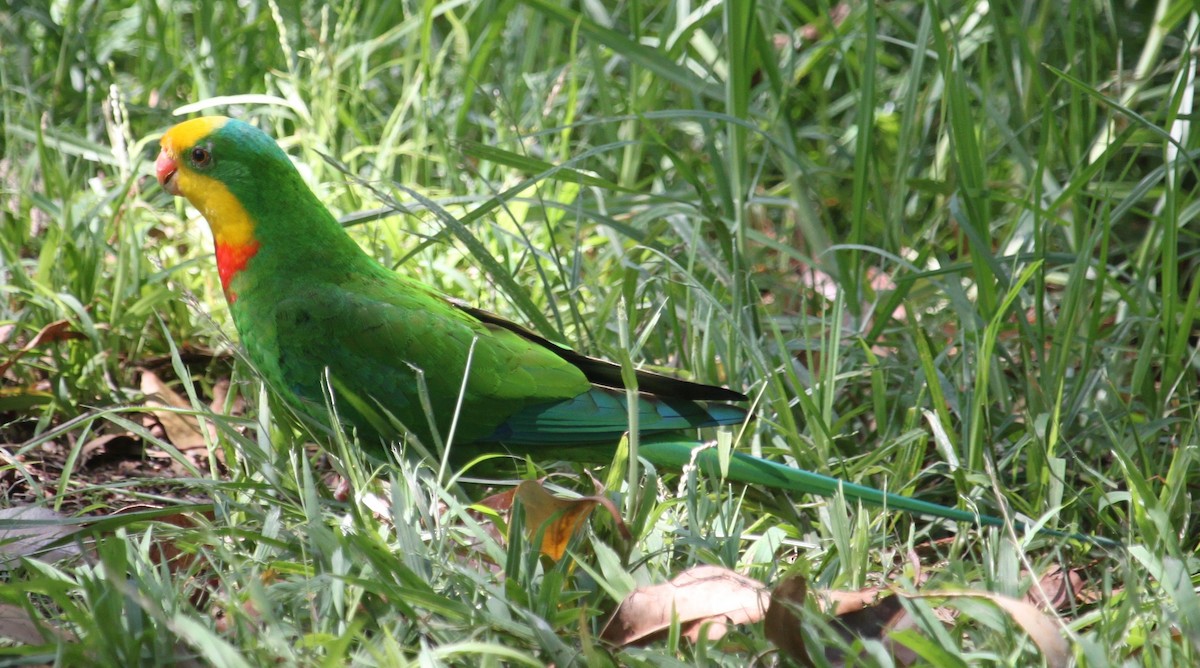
(188, 133)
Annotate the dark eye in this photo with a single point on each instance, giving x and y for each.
(201, 157)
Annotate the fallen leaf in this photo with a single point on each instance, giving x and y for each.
(378, 505)
(872, 621)
(877, 621)
(811, 32)
(555, 517)
(111, 447)
(220, 395)
(1056, 589)
(782, 625)
(562, 517)
(183, 430)
(59, 330)
(493, 524)
(819, 282)
(708, 598)
(28, 531)
(17, 625)
(846, 602)
(881, 282)
(1041, 628)
(501, 502)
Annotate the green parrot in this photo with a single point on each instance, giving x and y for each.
(314, 310)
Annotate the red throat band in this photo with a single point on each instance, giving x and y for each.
(230, 260)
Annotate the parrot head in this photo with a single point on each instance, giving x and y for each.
(237, 177)
(207, 159)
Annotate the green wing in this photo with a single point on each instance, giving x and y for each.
(389, 342)
(400, 349)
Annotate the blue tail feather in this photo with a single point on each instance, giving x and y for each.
(602, 414)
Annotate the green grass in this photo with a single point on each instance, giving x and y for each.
(653, 183)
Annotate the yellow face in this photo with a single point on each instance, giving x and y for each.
(186, 153)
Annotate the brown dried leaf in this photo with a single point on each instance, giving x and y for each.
(811, 32)
(846, 602)
(820, 282)
(881, 281)
(183, 431)
(501, 505)
(782, 625)
(108, 448)
(1056, 590)
(17, 625)
(702, 598)
(167, 552)
(564, 516)
(869, 613)
(220, 394)
(1043, 630)
(873, 621)
(164, 551)
(59, 330)
(878, 621)
(28, 531)
(501, 502)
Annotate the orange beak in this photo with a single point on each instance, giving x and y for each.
(165, 168)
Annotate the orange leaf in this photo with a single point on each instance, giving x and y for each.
(561, 517)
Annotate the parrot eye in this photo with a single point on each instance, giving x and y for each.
(201, 157)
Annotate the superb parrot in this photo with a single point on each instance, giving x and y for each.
(313, 308)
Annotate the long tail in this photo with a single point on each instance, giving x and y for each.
(754, 471)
